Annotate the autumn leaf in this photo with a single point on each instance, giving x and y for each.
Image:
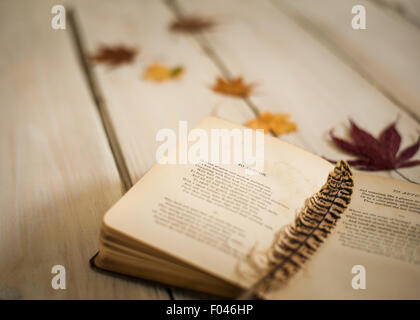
(160, 73)
(234, 87)
(114, 55)
(278, 123)
(377, 154)
(191, 24)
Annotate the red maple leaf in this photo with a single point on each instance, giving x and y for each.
(377, 154)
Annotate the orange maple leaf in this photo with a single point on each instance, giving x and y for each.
(278, 123)
(234, 87)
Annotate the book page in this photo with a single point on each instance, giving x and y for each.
(374, 252)
(211, 215)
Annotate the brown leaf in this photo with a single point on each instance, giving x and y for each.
(191, 24)
(114, 55)
(377, 154)
(160, 73)
(278, 123)
(234, 87)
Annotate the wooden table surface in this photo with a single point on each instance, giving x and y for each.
(75, 138)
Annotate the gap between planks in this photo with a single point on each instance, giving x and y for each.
(100, 104)
(99, 101)
(213, 56)
(209, 51)
(205, 45)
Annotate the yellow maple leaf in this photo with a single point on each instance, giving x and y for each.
(234, 87)
(278, 123)
(159, 73)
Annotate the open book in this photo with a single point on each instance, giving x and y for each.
(195, 225)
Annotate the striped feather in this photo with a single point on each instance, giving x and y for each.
(295, 243)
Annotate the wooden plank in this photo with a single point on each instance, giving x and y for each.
(298, 74)
(58, 174)
(140, 108)
(387, 52)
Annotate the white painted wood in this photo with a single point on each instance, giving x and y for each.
(58, 176)
(57, 170)
(388, 51)
(299, 75)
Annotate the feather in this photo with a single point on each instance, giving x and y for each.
(295, 243)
